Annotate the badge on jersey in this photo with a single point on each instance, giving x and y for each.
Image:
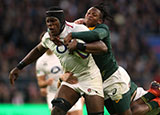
(61, 49)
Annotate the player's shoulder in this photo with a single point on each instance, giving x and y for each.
(76, 27)
(45, 36)
(102, 26)
(69, 24)
(45, 41)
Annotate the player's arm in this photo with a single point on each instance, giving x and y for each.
(91, 36)
(42, 82)
(43, 92)
(97, 47)
(88, 36)
(79, 21)
(42, 75)
(33, 55)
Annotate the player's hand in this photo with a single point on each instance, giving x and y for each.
(63, 77)
(43, 92)
(13, 75)
(55, 39)
(68, 39)
(69, 78)
(50, 81)
(79, 21)
(72, 45)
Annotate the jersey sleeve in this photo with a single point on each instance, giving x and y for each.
(43, 40)
(99, 33)
(39, 69)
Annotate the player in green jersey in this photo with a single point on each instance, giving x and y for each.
(118, 88)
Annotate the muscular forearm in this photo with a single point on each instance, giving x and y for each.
(34, 54)
(96, 47)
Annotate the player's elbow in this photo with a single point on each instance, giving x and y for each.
(100, 50)
(104, 49)
(102, 46)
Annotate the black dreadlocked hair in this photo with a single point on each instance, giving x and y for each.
(105, 14)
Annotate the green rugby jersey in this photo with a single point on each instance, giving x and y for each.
(106, 62)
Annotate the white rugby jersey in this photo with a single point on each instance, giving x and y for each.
(81, 68)
(50, 67)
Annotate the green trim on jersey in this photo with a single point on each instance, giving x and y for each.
(133, 87)
(106, 62)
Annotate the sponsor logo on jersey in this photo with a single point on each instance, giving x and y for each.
(61, 49)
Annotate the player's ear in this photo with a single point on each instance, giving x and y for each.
(100, 21)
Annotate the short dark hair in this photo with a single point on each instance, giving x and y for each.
(105, 14)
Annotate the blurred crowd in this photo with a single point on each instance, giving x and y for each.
(22, 21)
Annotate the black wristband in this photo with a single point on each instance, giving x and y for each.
(21, 65)
(81, 46)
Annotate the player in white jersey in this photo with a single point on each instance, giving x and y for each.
(88, 81)
(48, 71)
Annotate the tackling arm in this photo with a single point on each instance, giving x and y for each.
(91, 36)
(97, 47)
(99, 33)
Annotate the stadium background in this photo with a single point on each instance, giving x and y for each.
(135, 34)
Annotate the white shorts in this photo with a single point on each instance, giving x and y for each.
(78, 105)
(90, 86)
(50, 97)
(139, 93)
(117, 84)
